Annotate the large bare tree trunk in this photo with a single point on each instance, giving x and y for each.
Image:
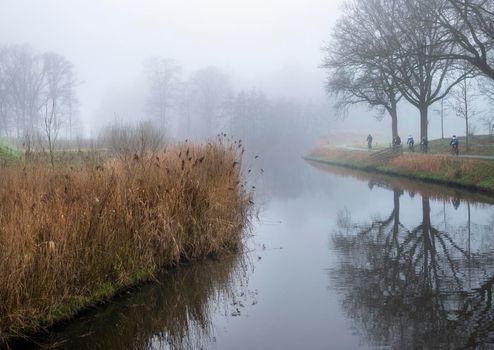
(424, 109)
(393, 112)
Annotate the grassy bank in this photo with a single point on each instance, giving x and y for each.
(425, 189)
(8, 152)
(478, 144)
(467, 173)
(72, 236)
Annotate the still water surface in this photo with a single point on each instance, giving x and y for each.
(338, 260)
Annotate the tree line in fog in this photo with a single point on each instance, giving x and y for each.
(39, 107)
(37, 95)
(205, 104)
(383, 52)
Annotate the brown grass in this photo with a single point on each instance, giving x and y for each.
(72, 236)
(451, 167)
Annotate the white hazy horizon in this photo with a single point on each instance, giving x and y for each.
(272, 45)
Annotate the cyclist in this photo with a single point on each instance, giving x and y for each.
(455, 143)
(410, 143)
(369, 142)
(397, 141)
(424, 144)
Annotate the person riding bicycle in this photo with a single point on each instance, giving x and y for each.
(369, 141)
(455, 143)
(397, 141)
(424, 144)
(410, 143)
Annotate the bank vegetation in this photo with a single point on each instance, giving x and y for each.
(474, 174)
(77, 233)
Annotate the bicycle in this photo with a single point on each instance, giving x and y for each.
(454, 149)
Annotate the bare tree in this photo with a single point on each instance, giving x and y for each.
(470, 25)
(463, 100)
(58, 89)
(410, 41)
(37, 91)
(51, 126)
(485, 88)
(488, 121)
(25, 76)
(211, 87)
(440, 111)
(163, 75)
(354, 76)
(388, 48)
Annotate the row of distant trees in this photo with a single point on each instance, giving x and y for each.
(39, 105)
(204, 101)
(197, 99)
(205, 104)
(37, 95)
(421, 51)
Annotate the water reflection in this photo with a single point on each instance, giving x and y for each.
(423, 285)
(176, 314)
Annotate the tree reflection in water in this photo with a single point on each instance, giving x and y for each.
(174, 313)
(415, 288)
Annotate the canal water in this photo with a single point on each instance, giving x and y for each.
(337, 259)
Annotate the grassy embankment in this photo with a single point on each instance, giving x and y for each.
(478, 144)
(75, 235)
(8, 153)
(439, 168)
(430, 190)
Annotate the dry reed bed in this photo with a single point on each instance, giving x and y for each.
(73, 236)
(451, 167)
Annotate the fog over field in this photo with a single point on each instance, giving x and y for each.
(271, 46)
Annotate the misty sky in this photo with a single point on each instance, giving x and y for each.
(108, 40)
(273, 45)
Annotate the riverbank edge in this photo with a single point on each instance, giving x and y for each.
(108, 292)
(424, 177)
(77, 306)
